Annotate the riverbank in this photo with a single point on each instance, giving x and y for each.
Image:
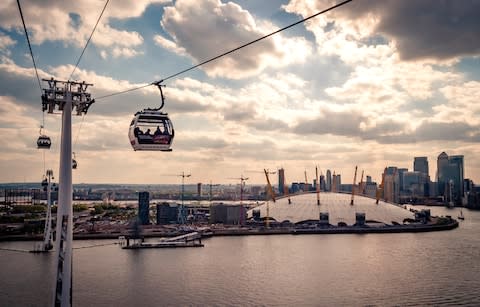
(244, 231)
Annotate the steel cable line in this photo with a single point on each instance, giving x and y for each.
(78, 62)
(228, 52)
(29, 46)
(88, 41)
(35, 67)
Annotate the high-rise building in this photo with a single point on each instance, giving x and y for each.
(442, 165)
(166, 213)
(391, 185)
(414, 184)
(420, 164)
(322, 183)
(457, 176)
(281, 181)
(143, 208)
(450, 172)
(199, 190)
(401, 171)
(328, 181)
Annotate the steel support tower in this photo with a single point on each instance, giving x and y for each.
(47, 233)
(65, 96)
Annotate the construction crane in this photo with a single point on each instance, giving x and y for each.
(242, 184)
(272, 195)
(354, 180)
(181, 218)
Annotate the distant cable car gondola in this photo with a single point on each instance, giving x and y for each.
(151, 129)
(44, 183)
(43, 141)
(74, 162)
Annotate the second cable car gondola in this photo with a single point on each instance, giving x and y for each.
(43, 141)
(74, 162)
(151, 129)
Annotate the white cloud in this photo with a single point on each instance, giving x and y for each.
(125, 52)
(72, 21)
(169, 45)
(5, 43)
(209, 28)
(463, 103)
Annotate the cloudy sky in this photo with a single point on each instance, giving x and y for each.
(372, 83)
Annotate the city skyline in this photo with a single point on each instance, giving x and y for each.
(346, 88)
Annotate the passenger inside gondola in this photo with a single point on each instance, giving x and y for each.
(137, 131)
(161, 137)
(144, 137)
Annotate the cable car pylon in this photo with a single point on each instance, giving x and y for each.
(65, 96)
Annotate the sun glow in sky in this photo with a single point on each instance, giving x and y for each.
(372, 83)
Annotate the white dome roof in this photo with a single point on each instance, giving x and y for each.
(304, 207)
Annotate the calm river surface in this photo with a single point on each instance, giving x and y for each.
(417, 269)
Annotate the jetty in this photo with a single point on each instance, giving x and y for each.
(193, 239)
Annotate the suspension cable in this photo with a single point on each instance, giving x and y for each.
(35, 67)
(79, 129)
(29, 46)
(88, 41)
(78, 62)
(228, 52)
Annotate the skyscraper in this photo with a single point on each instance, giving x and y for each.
(420, 164)
(391, 185)
(401, 171)
(281, 181)
(143, 208)
(457, 176)
(328, 181)
(442, 165)
(450, 169)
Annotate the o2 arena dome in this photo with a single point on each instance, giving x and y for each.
(303, 208)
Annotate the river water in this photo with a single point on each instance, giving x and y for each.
(409, 269)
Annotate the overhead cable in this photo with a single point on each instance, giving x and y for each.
(228, 52)
(88, 41)
(29, 46)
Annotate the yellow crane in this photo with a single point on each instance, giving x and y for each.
(354, 180)
(360, 185)
(272, 195)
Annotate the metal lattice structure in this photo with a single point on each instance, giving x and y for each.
(65, 96)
